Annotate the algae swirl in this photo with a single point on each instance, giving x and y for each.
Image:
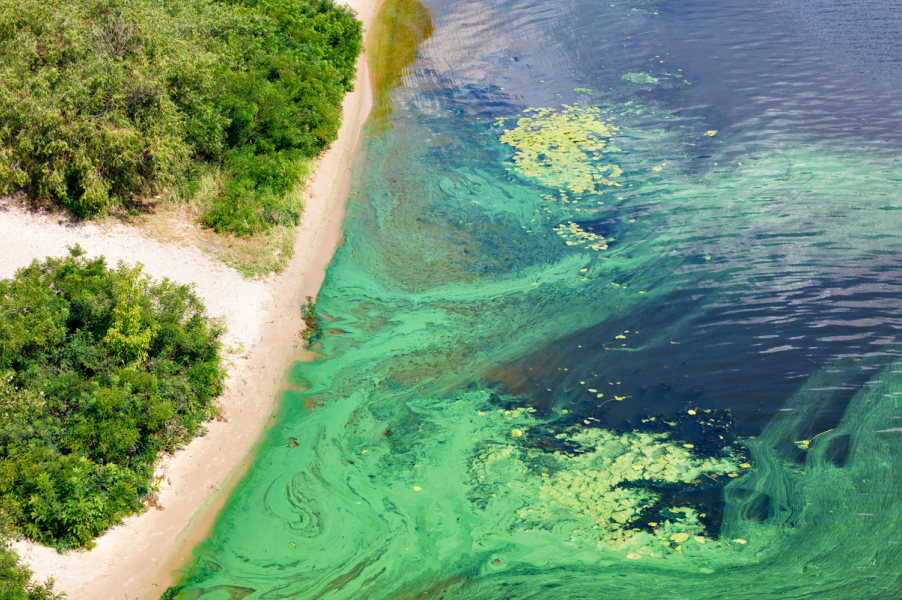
(529, 389)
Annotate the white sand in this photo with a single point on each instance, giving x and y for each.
(238, 302)
(135, 560)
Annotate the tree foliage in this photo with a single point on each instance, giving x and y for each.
(103, 101)
(100, 370)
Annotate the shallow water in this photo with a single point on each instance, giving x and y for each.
(707, 404)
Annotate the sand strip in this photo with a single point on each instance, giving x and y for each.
(134, 560)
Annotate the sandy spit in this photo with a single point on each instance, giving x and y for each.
(134, 560)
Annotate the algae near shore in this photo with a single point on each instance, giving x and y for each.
(533, 390)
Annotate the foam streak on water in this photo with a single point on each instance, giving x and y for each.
(674, 370)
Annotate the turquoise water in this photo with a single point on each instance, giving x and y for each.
(641, 345)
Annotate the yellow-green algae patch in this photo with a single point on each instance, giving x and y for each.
(593, 488)
(575, 235)
(561, 148)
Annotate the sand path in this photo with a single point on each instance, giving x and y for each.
(134, 560)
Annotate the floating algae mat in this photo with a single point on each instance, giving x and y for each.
(616, 315)
(562, 148)
(586, 487)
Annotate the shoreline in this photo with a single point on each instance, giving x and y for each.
(137, 558)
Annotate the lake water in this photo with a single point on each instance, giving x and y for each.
(643, 342)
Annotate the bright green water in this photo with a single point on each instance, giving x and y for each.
(501, 414)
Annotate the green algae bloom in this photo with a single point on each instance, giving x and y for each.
(640, 78)
(562, 148)
(585, 488)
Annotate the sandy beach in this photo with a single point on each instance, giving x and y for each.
(134, 560)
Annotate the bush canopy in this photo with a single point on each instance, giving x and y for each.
(100, 371)
(106, 101)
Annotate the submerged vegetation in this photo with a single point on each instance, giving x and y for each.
(104, 104)
(102, 370)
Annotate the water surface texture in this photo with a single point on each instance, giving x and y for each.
(616, 316)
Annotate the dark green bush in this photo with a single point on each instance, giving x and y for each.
(103, 101)
(330, 31)
(100, 370)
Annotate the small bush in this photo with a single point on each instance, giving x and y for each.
(100, 370)
(257, 193)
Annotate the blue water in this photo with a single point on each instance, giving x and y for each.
(744, 310)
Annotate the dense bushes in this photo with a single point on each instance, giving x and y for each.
(102, 369)
(102, 101)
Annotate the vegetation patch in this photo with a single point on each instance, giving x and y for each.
(611, 490)
(640, 78)
(179, 221)
(575, 235)
(102, 370)
(312, 329)
(106, 103)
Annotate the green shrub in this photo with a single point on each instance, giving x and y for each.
(330, 31)
(15, 578)
(103, 101)
(85, 112)
(257, 193)
(100, 370)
